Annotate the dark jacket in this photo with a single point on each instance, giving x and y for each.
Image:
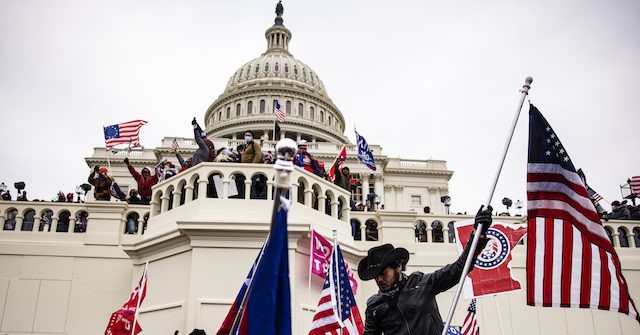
(341, 180)
(102, 186)
(412, 308)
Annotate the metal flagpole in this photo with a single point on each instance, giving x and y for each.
(142, 288)
(285, 150)
(334, 271)
(465, 270)
(311, 241)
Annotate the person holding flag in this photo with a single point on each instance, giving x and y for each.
(206, 151)
(407, 304)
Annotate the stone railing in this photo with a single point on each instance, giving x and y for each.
(248, 182)
(370, 226)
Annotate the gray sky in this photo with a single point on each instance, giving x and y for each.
(423, 79)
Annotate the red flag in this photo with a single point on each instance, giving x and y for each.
(492, 272)
(570, 259)
(342, 156)
(320, 259)
(122, 320)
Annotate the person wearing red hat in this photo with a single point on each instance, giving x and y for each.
(406, 304)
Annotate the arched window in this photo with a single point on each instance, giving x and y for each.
(322, 116)
(624, 241)
(295, 70)
(10, 221)
(258, 186)
(288, 107)
(46, 221)
(228, 113)
(239, 179)
(266, 67)
(131, 225)
(420, 231)
(249, 107)
(144, 224)
(238, 110)
(311, 113)
(183, 190)
(286, 68)
(636, 236)
(300, 109)
(220, 116)
(276, 67)
(436, 232)
(371, 230)
(304, 72)
(214, 187)
(609, 233)
(329, 120)
(63, 222)
(301, 191)
(82, 219)
(262, 106)
(27, 222)
(257, 68)
(248, 71)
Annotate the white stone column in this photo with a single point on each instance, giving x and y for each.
(308, 196)
(164, 204)
(177, 194)
(334, 208)
(72, 224)
(188, 194)
(399, 198)
(390, 204)
(19, 220)
(247, 188)
(321, 203)
(54, 224)
(202, 188)
(36, 223)
(378, 186)
(616, 239)
(365, 189)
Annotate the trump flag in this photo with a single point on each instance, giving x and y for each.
(321, 250)
(492, 272)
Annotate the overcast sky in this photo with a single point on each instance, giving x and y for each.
(423, 79)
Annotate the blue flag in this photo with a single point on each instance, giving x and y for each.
(365, 155)
(268, 302)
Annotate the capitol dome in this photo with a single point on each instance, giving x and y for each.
(251, 94)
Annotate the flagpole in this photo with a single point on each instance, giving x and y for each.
(142, 287)
(476, 237)
(310, 264)
(337, 281)
(285, 151)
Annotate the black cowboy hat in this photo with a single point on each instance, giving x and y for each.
(379, 258)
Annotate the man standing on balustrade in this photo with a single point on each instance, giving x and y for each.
(101, 184)
(306, 160)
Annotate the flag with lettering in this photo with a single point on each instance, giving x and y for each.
(123, 321)
(263, 305)
(342, 156)
(570, 259)
(321, 250)
(492, 272)
(470, 324)
(123, 133)
(365, 154)
(337, 308)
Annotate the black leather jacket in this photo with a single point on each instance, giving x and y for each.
(411, 308)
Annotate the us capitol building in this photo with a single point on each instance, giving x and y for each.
(65, 267)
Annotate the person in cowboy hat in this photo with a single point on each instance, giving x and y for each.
(407, 304)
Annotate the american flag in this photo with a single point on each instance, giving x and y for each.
(127, 132)
(634, 182)
(174, 145)
(470, 325)
(570, 259)
(279, 112)
(594, 195)
(326, 320)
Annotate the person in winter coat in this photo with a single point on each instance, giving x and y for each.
(101, 183)
(406, 304)
(206, 151)
(252, 152)
(145, 181)
(306, 160)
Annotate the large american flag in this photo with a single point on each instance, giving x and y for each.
(279, 112)
(570, 259)
(470, 324)
(123, 133)
(634, 182)
(326, 320)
